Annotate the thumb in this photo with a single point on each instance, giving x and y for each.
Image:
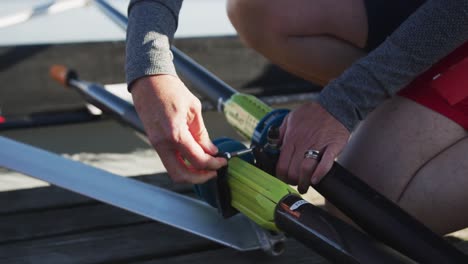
(282, 129)
(200, 134)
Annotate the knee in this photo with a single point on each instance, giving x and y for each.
(253, 21)
(234, 10)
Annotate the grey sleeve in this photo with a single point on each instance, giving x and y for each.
(429, 34)
(151, 28)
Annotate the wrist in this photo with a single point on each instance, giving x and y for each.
(151, 82)
(340, 107)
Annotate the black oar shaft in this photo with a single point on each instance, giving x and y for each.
(109, 103)
(205, 82)
(97, 95)
(384, 220)
(330, 236)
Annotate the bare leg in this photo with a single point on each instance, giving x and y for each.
(437, 192)
(415, 157)
(316, 40)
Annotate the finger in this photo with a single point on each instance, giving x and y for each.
(282, 168)
(200, 134)
(287, 150)
(325, 164)
(193, 175)
(193, 152)
(282, 129)
(180, 173)
(295, 166)
(308, 167)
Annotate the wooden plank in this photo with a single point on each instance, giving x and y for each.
(116, 245)
(64, 221)
(459, 240)
(98, 233)
(463, 246)
(51, 225)
(51, 211)
(38, 199)
(295, 253)
(14, 202)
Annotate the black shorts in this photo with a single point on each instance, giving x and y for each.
(384, 16)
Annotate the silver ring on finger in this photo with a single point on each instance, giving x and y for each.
(312, 154)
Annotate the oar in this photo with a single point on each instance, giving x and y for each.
(98, 96)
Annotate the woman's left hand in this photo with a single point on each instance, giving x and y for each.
(309, 127)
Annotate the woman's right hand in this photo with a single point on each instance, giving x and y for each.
(172, 118)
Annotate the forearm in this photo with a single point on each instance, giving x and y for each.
(433, 31)
(151, 28)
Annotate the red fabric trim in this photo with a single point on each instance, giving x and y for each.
(444, 87)
(453, 83)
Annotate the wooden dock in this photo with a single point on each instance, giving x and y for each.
(46, 224)
(52, 225)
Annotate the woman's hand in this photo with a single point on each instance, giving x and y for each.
(309, 127)
(172, 118)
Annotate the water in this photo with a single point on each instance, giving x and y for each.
(198, 18)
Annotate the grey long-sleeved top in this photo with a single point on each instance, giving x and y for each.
(430, 33)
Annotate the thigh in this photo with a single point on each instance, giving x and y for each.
(344, 19)
(437, 192)
(392, 151)
(362, 23)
